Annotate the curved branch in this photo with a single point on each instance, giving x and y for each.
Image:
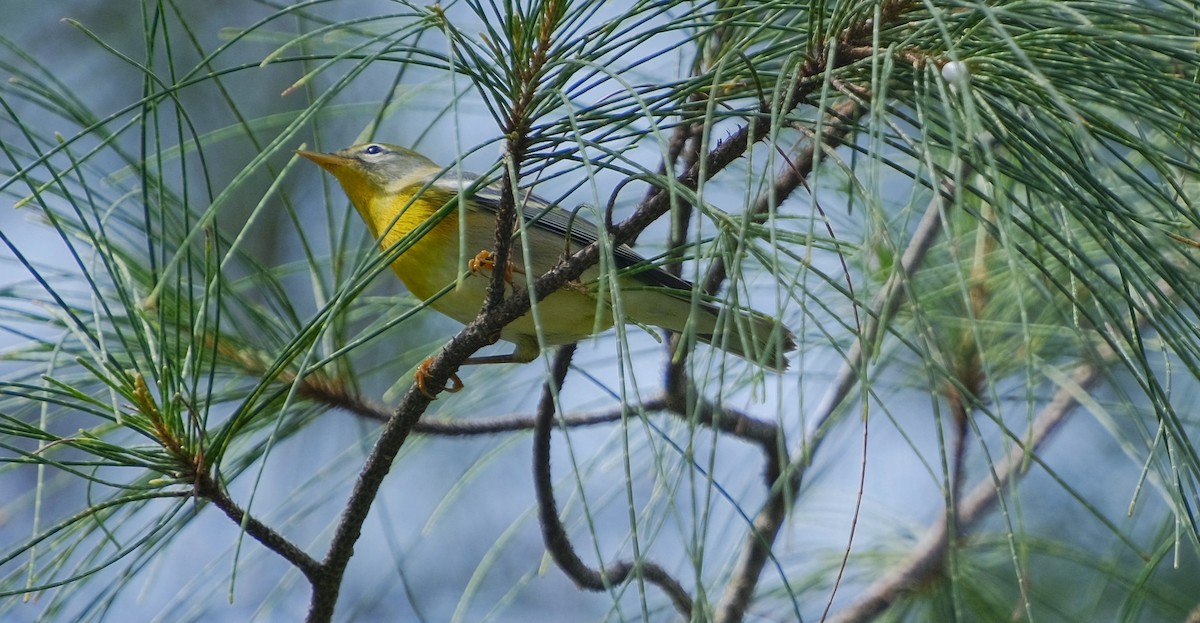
(558, 544)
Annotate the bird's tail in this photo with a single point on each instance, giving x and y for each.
(753, 336)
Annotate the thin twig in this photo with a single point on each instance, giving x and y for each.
(682, 214)
(682, 137)
(730, 421)
(513, 423)
(366, 409)
(838, 124)
(206, 487)
(929, 553)
(558, 543)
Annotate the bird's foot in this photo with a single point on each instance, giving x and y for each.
(422, 375)
(486, 260)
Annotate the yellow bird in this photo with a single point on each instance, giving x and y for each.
(395, 190)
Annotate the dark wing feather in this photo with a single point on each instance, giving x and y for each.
(541, 213)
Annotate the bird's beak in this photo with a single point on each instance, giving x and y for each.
(329, 162)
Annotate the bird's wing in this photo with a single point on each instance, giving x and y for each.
(541, 213)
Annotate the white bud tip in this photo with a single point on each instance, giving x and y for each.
(956, 72)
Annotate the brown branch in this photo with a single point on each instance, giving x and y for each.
(205, 486)
(514, 423)
(735, 423)
(518, 423)
(558, 543)
(327, 584)
(929, 554)
(762, 433)
(838, 124)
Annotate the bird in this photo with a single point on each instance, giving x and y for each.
(397, 190)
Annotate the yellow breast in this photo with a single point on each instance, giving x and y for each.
(432, 261)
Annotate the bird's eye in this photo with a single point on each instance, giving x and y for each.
(372, 150)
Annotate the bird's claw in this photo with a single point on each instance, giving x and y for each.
(422, 375)
(486, 260)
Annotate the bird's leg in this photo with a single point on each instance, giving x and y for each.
(422, 375)
(486, 260)
(456, 383)
(490, 359)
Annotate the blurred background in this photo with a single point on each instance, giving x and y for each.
(156, 223)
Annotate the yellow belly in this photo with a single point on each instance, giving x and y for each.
(564, 317)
